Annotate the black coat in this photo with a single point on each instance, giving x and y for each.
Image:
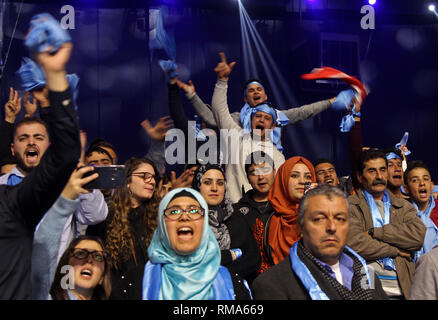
(131, 288)
(257, 217)
(281, 283)
(23, 206)
(252, 210)
(182, 122)
(241, 237)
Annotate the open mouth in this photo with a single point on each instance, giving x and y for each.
(422, 193)
(86, 273)
(31, 155)
(329, 181)
(259, 127)
(184, 233)
(397, 177)
(257, 98)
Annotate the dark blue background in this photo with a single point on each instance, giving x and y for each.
(122, 84)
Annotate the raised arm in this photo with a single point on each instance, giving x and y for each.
(156, 151)
(12, 109)
(219, 102)
(39, 190)
(202, 110)
(307, 111)
(175, 107)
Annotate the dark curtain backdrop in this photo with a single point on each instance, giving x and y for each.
(121, 83)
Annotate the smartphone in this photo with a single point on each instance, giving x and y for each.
(110, 177)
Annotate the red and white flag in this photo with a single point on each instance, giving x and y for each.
(332, 73)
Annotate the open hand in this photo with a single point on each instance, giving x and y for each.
(29, 106)
(183, 181)
(188, 88)
(158, 132)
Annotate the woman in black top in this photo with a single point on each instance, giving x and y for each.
(132, 218)
(239, 249)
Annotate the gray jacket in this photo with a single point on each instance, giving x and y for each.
(294, 114)
(425, 283)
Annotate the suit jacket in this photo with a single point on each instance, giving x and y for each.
(281, 283)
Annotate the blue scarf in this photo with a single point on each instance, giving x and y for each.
(280, 119)
(348, 121)
(197, 276)
(392, 155)
(307, 278)
(32, 77)
(159, 39)
(45, 32)
(13, 180)
(222, 285)
(402, 144)
(199, 134)
(378, 222)
(431, 237)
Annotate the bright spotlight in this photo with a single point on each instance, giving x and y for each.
(431, 7)
(372, 2)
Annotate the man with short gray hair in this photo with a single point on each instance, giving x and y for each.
(320, 266)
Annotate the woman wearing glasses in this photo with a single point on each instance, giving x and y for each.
(184, 256)
(238, 246)
(132, 218)
(82, 272)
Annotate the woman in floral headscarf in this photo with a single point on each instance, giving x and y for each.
(239, 249)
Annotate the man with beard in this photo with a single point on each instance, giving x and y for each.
(23, 206)
(384, 229)
(30, 141)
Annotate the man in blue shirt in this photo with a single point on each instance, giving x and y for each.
(419, 185)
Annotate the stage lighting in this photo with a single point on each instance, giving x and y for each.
(372, 2)
(431, 7)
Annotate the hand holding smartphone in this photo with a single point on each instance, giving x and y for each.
(110, 177)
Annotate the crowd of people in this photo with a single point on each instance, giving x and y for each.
(264, 227)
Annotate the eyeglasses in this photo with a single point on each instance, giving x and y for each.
(82, 254)
(145, 175)
(193, 212)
